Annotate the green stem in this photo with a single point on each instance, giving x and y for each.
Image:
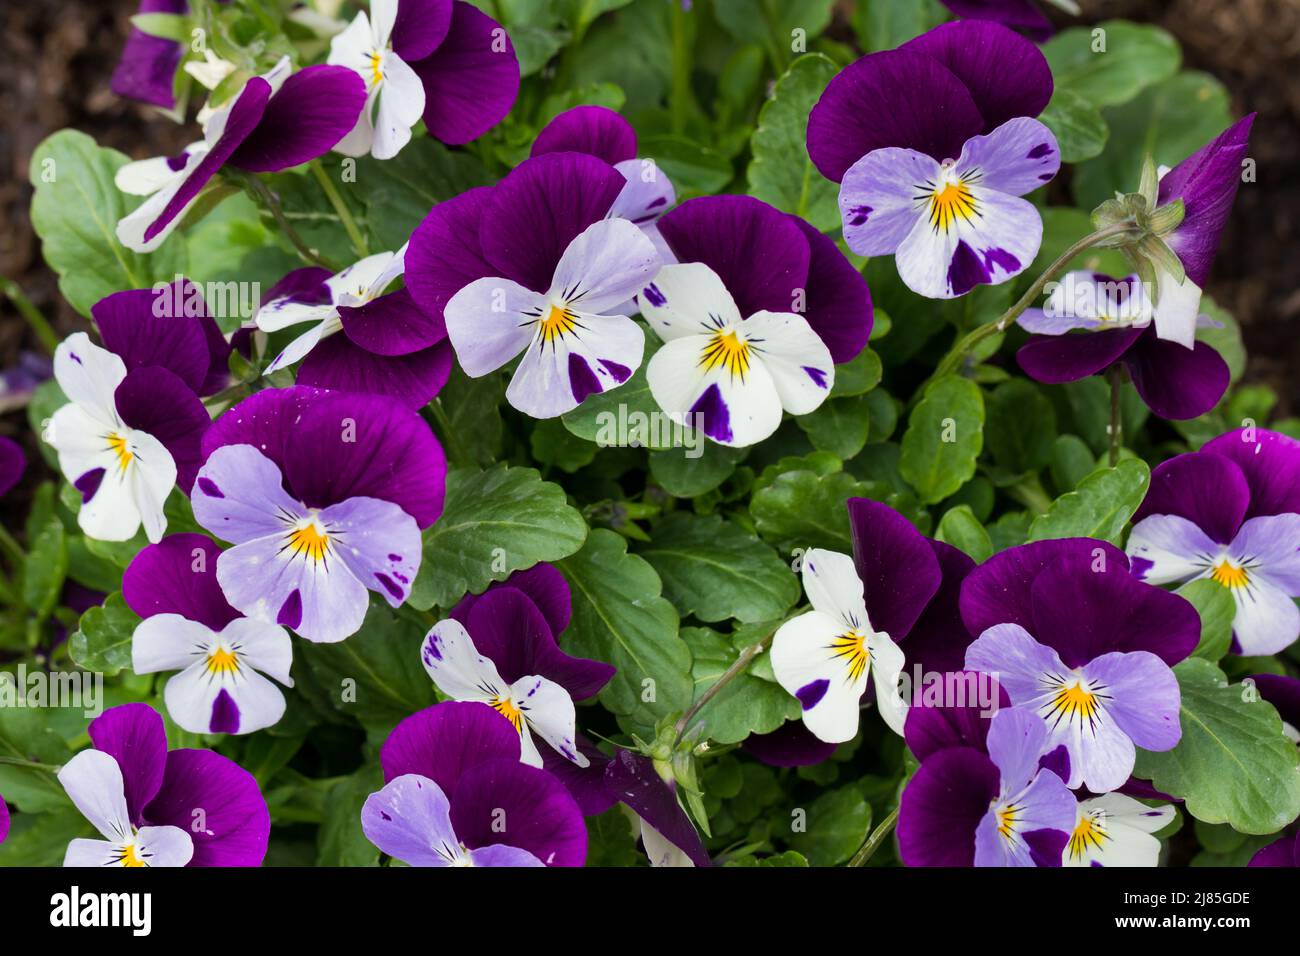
(345, 215)
(1029, 491)
(29, 764)
(953, 360)
(10, 546)
(38, 323)
(1115, 375)
(877, 837)
(449, 437)
(679, 97)
(738, 666)
(262, 194)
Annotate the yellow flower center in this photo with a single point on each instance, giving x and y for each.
(1074, 701)
(222, 661)
(950, 202)
(506, 708)
(130, 857)
(851, 648)
(311, 540)
(376, 68)
(1229, 575)
(726, 350)
(117, 445)
(559, 322)
(1088, 833)
(1006, 817)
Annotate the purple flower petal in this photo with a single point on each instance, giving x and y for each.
(1144, 698)
(838, 302)
(413, 380)
(314, 109)
(178, 575)
(588, 129)
(942, 806)
(4, 819)
(420, 26)
(1022, 15)
(790, 745)
(147, 69)
(133, 735)
(1283, 852)
(504, 801)
(1271, 463)
(444, 254)
(938, 639)
(218, 803)
(934, 727)
(12, 464)
(305, 285)
(155, 401)
(1067, 358)
(471, 79)
(441, 742)
(898, 568)
(587, 784)
(392, 324)
(543, 584)
(636, 782)
(1177, 382)
(1283, 693)
(410, 820)
(379, 544)
(1208, 490)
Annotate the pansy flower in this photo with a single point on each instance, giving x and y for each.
(1284, 694)
(122, 438)
(669, 837)
(1284, 852)
(156, 807)
(189, 627)
(388, 346)
(1074, 638)
(992, 807)
(12, 464)
(1231, 513)
(1116, 830)
(323, 495)
(539, 271)
(147, 69)
(648, 193)
(456, 794)
(1112, 323)
(936, 179)
(730, 375)
(276, 121)
(1024, 16)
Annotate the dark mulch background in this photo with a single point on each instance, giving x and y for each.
(56, 58)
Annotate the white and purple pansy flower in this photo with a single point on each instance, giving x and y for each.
(323, 495)
(936, 180)
(145, 800)
(1116, 830)
(456, 794)
(551, 272)
(122, 438)
(278, 120)
(361, 338)
(147, 69)
(188, 626)
(1075, 639)
(1230, 513)
(1111, 322)
(990, 805)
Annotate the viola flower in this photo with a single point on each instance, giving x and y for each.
(12, 464)
(1231, 513)
(389, 345)
(730, 376)
(276, 121)
(964, 807)
(936, 180)
(121, 438)
(563, 268)
(1206, 182)
(161, 808)
(147, 69)
(1023, 16)
(456, 794)
(1284, 694)
(1114, 317)
(669, 837)
(648, 192)
(189, 627)
(1074, 638)
(1282, 852)
(1115, 830)
(323, 495)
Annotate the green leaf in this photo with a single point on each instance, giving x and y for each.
(960, 528)
(693, 169)
(837, 825)
(1021, 426)
(1134, 57)
(398, 193)
(1080, 130)
(748, 704)
(169, 26)
(781, 173)
(473, 410)
(553, 444)
(41, 839)
(45, 568)
(772, 21)
(620, 616)
(102, 641)
(1227, 340)
(712, 569)
(25, 734)
(885, 25)
(1099, 508)
(627, 415)
(340, 840)
(840, 426)
(1072, 461)
(1214, 603)
(494, 522)
(858, 375)
(802, 509)
(945, 433)
(1233, 764)
(690, 472)
(75, 212)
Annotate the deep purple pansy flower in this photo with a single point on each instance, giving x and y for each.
(12, 464)
(1114, 319)
(648, 193)
(1024, 16)
(276, 121)
(323, 495)
(992, 807)
(147, 69)
(156, 807)
(1231, 513)
(1070, 637)
(388, 346)
(1284, 694)
(1281, 852)
(441, 60)
(188, 626)
(456, 794)
(669, 837)
(533, 266)
(125, 436)
(936, 179)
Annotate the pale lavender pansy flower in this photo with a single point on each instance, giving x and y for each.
(456, 794)
(1230, 513)
(142, 799)
(189, 627)
(323, 495)
(936, 181)
(1116, 830)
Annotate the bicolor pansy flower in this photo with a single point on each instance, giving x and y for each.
(667, 834)
(1230, 513)
(1116, 830)
(1112, 322)
(278, 120)
(188, 626)
(997, 806)
(561, 270)
(1075, 639)
(119, 438)
(936, 180)
(147, 69)
(456, 794)
(323, 495)
(156, 807)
